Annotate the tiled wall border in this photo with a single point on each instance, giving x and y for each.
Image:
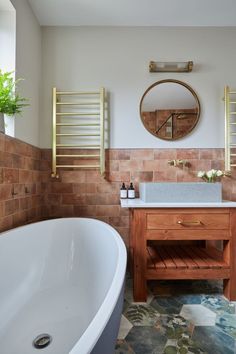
(85, 193)
(28, 193)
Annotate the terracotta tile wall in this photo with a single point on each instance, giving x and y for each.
(21, 195)
(86, 193)
(28, 193)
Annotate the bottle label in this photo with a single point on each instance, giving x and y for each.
(123, 193)
(131, 193)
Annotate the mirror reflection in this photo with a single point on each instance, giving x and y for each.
(169, 109)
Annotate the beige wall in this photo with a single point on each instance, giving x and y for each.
(7, 40)
(118, 58)
(28, 66)
(8, 51)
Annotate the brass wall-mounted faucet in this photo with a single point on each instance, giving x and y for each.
(178, 163)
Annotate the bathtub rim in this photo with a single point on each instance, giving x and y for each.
(92, 333)
(89, 338)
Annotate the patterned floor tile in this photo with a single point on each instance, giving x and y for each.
(218, 304)
(198, 315)
(158, 351)
(145, 340)
(179, 334)
(141, 315)
(227, 323)
(125, 327)
(159, 328)
(183, 346)
(174, 326)
(213, 340)
(194, 299)
(166, 305)
(122, 347)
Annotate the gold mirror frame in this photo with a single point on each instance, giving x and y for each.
(198, 108)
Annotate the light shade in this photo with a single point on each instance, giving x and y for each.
(175, 66)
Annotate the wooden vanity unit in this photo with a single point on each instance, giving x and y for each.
(179, 243)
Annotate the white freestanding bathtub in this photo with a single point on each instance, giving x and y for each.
(61, 283)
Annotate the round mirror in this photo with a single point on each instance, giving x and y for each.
(169, 109)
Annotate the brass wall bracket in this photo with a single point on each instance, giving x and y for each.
(55, 175)
(179, 163)
(227, 173)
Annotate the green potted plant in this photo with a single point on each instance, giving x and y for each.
(10, 101)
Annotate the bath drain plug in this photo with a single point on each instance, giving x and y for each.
(42, 341)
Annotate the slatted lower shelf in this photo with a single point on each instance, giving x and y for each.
(181, 262)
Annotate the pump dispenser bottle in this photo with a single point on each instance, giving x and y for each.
(123, 192)
(131, 191)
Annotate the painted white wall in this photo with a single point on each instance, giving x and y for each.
(7, 40)
(8, 52)
(118, 58)
(28, 66)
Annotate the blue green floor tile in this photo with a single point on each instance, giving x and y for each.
(213, 340)
(145, 339)
(191, 299)
(227, 323)
(122, 347)
(218, 304)
(158, 328)
(166, 305)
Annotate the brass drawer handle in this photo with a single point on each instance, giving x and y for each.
(189, 223)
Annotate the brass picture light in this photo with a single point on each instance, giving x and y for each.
(174, 66)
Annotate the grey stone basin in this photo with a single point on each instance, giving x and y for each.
(182, 192)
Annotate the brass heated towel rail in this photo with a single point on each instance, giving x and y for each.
(230, 128)
(78, 124)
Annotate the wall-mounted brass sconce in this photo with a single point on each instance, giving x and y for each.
(175, 66)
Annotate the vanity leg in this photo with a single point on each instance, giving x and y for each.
(230, 289)
(229, 252)
(131, 244)
(140, 287)
(139, 257)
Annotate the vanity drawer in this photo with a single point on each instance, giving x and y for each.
(183, 221)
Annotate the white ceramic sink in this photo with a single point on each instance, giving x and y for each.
(182, 192)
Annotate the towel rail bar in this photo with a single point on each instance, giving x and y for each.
(89, 105)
